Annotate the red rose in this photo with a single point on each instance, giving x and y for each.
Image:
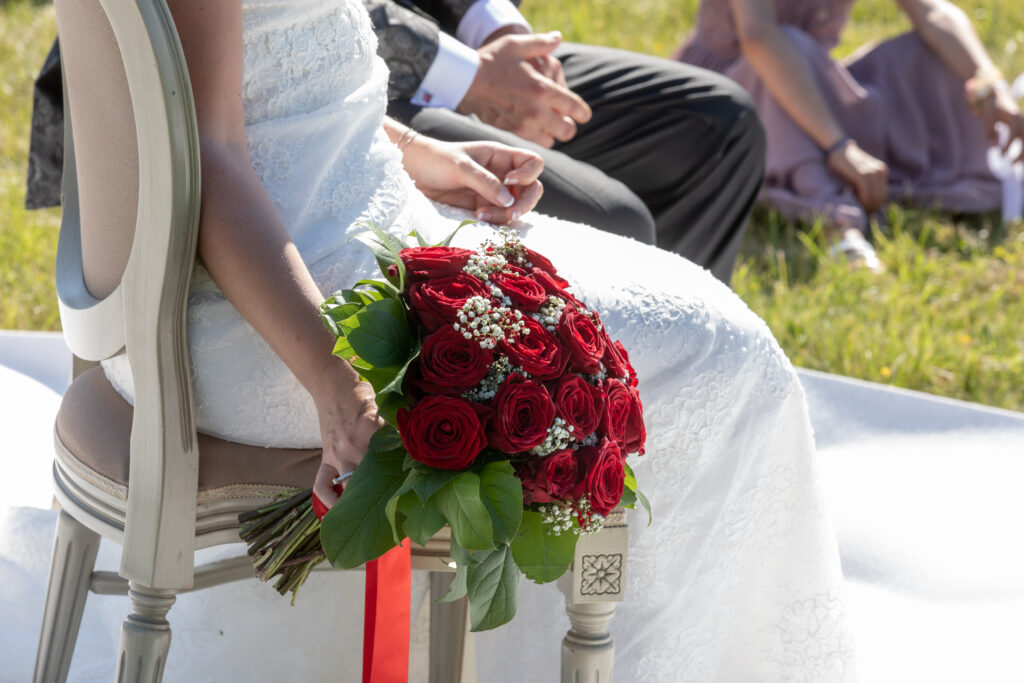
(629, 368)
(526, 294)
(539, 261)
(538, 353)
(555, 287)
(435, 303)
(583, 341)
(442, 432)
(617, 404)
(449, 363)
(604, 475)
(522, 411)
(614, 363)
(554, 477)
(635, 434)
(580, 404)
(528, 472)
(432, 262)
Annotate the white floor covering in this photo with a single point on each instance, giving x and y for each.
(925, 494)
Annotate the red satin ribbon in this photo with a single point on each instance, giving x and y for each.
(386, 620)
(386, 625)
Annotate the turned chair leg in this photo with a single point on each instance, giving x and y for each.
(74, 556)
(595, 583)
(451, 659)
(145, 635)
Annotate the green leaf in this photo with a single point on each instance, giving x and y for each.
(388, 405)
(448, 240)
(462, 560)
(383, 287)
(419, 239)
(502, 494)
(342, 348)
(357, 530)
(385, 248)
(542, 556)
(385, 439)
(358, 297)
(382, 337)
(628, 499)
(630, 478)
(460, 504)
(421, 521)
(492, 585)
(430, 480)
(647, 506)
(396, 383)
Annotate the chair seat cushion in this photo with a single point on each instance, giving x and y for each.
(94, 428)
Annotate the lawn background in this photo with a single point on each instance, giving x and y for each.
(945, 319)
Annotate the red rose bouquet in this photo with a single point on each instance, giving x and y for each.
(510, 415)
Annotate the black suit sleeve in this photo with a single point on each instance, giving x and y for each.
(407, 41)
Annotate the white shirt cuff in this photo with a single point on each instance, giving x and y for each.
(449, 76)
(484, 17)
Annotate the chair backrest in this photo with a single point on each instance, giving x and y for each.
(127, 248)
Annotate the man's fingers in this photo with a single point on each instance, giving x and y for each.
(534, 44)
(564, 101)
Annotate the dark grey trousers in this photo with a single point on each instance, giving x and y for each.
(673, 156)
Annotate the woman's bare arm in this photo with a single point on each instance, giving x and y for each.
(245, 246)
(788, 77)
(951, 36)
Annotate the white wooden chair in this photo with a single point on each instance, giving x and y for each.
(142, 477)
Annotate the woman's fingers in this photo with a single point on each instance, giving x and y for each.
(485, 184)
(526, 201)
(323, 487)
(526, 167)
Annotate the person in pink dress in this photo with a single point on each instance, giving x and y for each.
(907, 120)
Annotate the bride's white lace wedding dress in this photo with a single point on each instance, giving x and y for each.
(737, 579)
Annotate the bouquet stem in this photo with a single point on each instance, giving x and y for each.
(284, 540)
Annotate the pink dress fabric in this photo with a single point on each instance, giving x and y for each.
(897, 100)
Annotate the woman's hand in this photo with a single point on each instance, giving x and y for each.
(347, 410)
(995, 104)
(868, 176)
(496, 182)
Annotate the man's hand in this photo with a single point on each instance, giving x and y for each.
(520, 87)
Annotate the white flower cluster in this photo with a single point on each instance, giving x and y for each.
(482, 266)
(559, 436)
(478, 320)
(499, 371)
(550, 312)
(590, 439)
(558, 517)
(510, 245)
(598, 378)
(590, 521)
(500, 296)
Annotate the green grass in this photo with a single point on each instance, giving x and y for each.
(945, 318)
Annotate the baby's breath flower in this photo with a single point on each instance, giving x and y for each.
(550, 313)
(559, 436)
(499, 371)
(557, 517)
(590, 522)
